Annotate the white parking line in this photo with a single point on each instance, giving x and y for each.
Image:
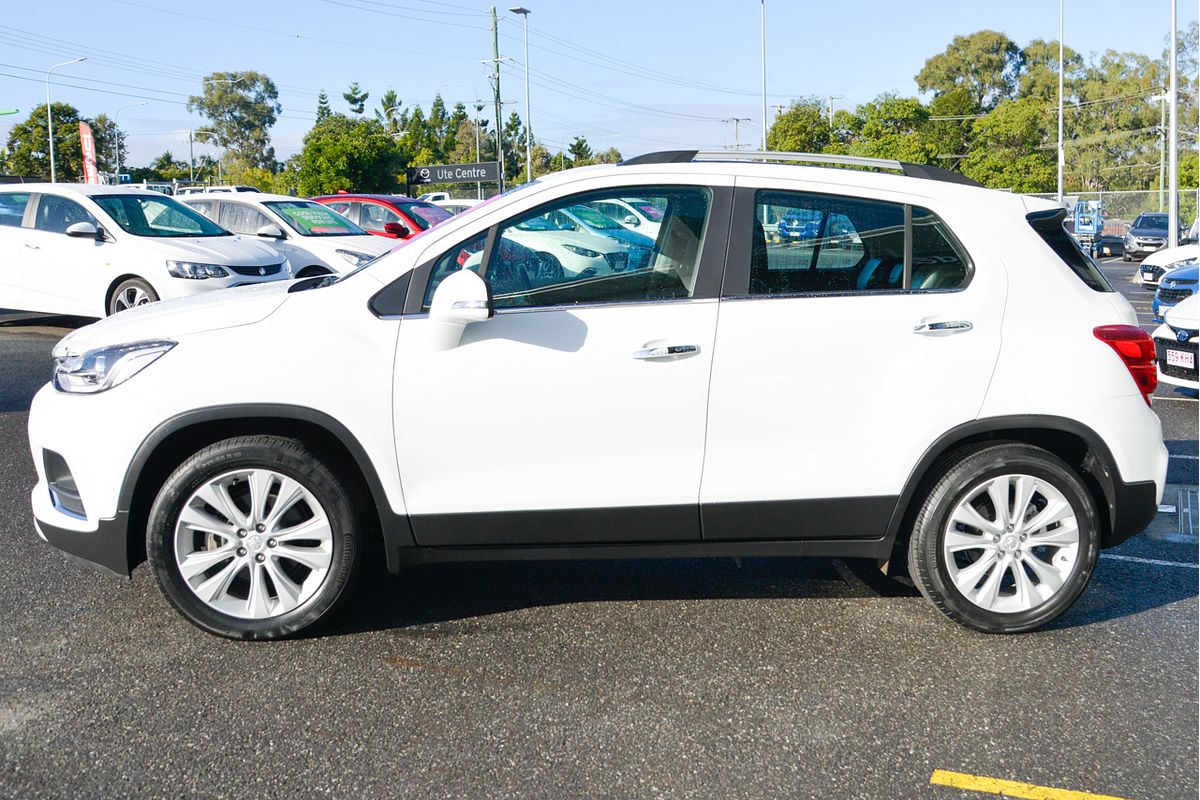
(1151, 561)
(1176, 399)
(1189, 458)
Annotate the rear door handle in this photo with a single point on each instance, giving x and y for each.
(942, 326)
(665, 351)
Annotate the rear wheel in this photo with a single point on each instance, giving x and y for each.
(1006, 540)
(131, 293)
(252, 538)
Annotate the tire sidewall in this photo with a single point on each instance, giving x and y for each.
(951, 491)
(125, 284)
(229, 456)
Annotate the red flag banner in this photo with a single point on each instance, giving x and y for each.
(88, 143)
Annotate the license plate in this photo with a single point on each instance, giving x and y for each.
(1181, 358)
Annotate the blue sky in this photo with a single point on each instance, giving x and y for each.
(639, 76)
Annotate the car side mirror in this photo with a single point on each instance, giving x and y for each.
(269, 232)
(85, 230)
(460, 299)
(630, 219)
(396, 229)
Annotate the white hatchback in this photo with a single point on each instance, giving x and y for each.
(92, 251)
(315, 239)
(865, 393)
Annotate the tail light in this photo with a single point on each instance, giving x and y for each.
(1136, 349)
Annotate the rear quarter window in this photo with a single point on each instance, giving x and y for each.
(1049, 226)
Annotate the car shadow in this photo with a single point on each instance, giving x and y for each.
(441, 600)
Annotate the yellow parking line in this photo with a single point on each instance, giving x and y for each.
(1028, 791)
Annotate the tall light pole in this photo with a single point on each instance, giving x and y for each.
(117, 140)
(50, 117)
(1062, 153)
(762, 46)
(524, 12)
(1173, 145)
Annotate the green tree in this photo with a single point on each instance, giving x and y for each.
(388, 111)
(27, 151)
(948, 130)
(1039, 73)
(802, 128)
(323, 109)
(1011, 149)
(356, 98)
(581, 152)
(439, 121)
(514, 149)
(543, 162)
(240, 107)
(986, 63)
(609, 156)
(352, 154)
(890, 127)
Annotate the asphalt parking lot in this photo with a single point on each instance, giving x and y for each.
(759, 678)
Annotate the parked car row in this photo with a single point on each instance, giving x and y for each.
(96, 250)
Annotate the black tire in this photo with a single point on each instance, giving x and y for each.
(1125, 258)
(289, 458)
(966, 470)
(129, 293)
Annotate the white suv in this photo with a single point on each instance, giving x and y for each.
(96, 250)
(877, 391)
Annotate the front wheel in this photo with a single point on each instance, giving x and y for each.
(131, 293)
(252, 538)
(1006, 540)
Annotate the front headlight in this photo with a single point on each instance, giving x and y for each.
(104, 367)
(354, 257)
(582, 251)
(196, 271)
(1187, 262)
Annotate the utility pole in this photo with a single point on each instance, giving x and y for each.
(830, 98)
(1162, 150)
(735, 121)
(1173, 147)
(478, 111)
(191, 159)
(496, 94)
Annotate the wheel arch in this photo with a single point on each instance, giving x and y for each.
(117, 281)
(179, 437)
(313, 270)
(1072, 441)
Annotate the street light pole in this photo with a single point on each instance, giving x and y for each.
(1173, 145)
(762, 46)
(1062, 154)
(117, 140)
(50, 117)
(524, 12)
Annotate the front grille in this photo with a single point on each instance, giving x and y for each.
(1160, 351)
(617, 262)
(270, 269)
(1173, 296)
(1155, 271)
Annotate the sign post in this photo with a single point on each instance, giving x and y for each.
(482, 172)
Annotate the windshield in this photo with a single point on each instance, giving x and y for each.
(313, 219)
(157, 216)
(536, 224)
(1151, 221)
(593, 218)
(425, 215)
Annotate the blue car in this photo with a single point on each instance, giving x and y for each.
(794, 228)
(1174, 287)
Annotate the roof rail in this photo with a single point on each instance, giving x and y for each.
(825, 159)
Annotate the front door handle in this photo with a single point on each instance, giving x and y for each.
(942, 326)
(665, 351)
(32, 246)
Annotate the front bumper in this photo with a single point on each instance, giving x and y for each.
(97, 437)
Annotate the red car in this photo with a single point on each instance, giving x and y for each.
(391, 215)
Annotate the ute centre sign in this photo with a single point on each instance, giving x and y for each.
(484, 172)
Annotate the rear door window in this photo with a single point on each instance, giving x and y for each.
(12, 208)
